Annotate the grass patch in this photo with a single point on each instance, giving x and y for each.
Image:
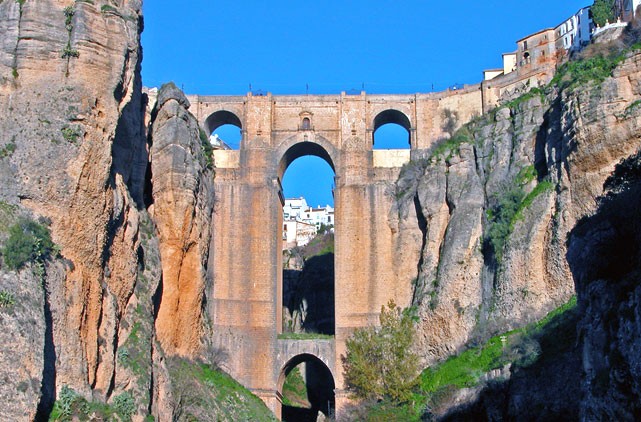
(295, 390)
(447, 147)
(304, 336)
(7, 216)
(518, 347)
(106, 8)
(7, 299)
(589, 70)
(206, 393)
(543, 186)
(532, 93)
(72, 406)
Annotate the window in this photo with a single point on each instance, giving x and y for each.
(307, 124)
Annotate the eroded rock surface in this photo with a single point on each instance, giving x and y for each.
(558, 150)
(182, 209)
(73, 115)
(605, 257)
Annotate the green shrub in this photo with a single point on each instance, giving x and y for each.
(379, 363)
(124, 405)
(7, 299)
(7, 150)
(448, 146)
(28, 242)
(501, 216)
(108, 8)
(70, 134)
(69, 52)
(208, 150)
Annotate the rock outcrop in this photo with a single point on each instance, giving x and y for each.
(605, 257)
(545, 155)
(73, 121)
(182, 208)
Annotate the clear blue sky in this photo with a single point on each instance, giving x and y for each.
(220, 47)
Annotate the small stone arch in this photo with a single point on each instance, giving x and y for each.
(220, 118)
(395, 117)
(319, 380)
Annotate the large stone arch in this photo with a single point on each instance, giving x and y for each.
(392, 116)
(294, 148)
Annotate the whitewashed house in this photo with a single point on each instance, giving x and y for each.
(574, 33)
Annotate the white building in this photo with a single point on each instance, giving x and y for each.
(319, 215)
(302, 222)
(293, 208)
(574, 33)
(217, 143)
(297, 233)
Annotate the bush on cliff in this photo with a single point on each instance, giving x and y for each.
(379, 363)
(28, 242)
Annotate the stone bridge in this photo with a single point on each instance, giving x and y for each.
(374, 262)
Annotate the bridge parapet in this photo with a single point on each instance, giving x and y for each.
(390, 158)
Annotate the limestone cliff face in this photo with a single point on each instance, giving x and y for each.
(182, 209)
(605, 257)
(72, 118)
(556, 150)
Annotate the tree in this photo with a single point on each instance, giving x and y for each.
(379, 363)
(603, 11)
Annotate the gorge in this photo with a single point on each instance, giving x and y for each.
(162, 297)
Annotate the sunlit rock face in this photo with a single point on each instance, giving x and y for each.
(72, 104)
(558, 149)
(182, 209)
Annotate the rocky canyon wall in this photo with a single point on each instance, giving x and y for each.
(73, 120)
(495, 204)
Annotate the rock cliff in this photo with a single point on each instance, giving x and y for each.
(495, 204)
(72, 120)
(183, 203)
(605, 258)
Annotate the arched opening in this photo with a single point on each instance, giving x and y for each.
(392, 130)
(308, 222)
(224, 129)
(306, 124)
(306, 386)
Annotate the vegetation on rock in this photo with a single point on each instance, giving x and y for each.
(72, 406)
(379, 363)
(295, 390)
(202, 392)
(28, 242)
(602, 12)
